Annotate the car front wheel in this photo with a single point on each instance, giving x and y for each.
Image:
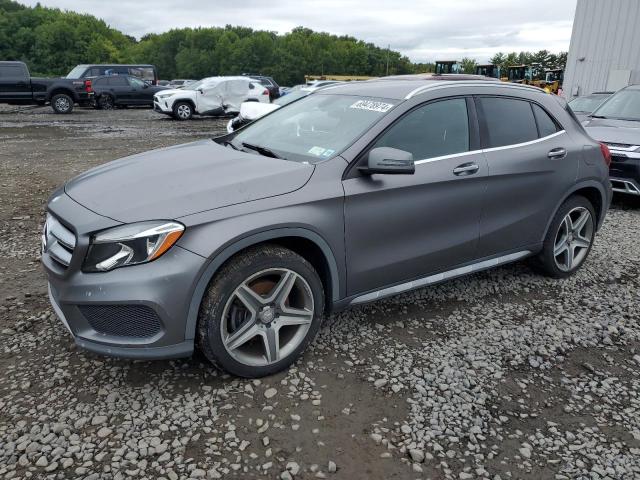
(569, 239)
(260, 312)
(183, 111)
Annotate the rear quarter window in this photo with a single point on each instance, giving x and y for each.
(508, 121)
(12, 71)
(546, 125)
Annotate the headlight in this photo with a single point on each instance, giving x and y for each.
(131, 245)
(162, 96)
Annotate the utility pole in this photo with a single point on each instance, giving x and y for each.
(388, 49)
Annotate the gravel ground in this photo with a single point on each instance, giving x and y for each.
(500, 375)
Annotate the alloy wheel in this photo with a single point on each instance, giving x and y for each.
(267, 317)
(62, 104)
(106, 102)
(573, 239)
(184, 111)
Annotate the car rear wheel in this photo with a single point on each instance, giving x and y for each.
(569, 239)
(260, 312)
(106, 102)
(62, 103)
(183, 111)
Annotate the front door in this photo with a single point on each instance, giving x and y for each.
(403, 227)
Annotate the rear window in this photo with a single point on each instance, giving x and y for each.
(509, 121)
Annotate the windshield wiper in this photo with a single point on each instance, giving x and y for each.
(230, 144)
(262, 150)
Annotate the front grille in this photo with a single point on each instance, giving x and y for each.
(618, 145)
(58, 241)
(139, 321)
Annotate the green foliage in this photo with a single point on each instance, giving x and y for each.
(468, 65)
(52, 42)
(543, 57)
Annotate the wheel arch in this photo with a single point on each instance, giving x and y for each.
(304, 242)
(59, 90)
(184, 100)
(593, 191)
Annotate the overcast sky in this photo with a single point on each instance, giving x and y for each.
(424, 30)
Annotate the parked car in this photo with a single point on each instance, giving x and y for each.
(616, 122)
(210, 96)
(240, 245)
(177, 83)
(585, 105)
(18, 87)
(250, 111)
(123, 90)
(163, 83)
(148, 73)
(269, 82)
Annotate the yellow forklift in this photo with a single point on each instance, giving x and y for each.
(525, 74)
(447, 66)
(489, 70)
(553, 79)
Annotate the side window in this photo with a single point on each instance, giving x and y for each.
(546, 125)
(509, 121)
(94, 72)
(117, 81)
(14, 72)
(432, 130)
(136, 82)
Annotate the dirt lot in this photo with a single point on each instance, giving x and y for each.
(500, 375)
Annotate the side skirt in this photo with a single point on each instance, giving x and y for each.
(439, 277)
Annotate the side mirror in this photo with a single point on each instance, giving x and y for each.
(390, 161)
(201, 91)
(146, 85)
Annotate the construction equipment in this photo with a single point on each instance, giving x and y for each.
(553, 79)
(447, 66)
(525, 74)
(489, 70)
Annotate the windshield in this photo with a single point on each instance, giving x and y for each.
(587, 104)
(623, 105)
(77, 72)
(193, 85)
(315, 128)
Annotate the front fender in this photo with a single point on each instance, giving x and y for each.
(220, 257)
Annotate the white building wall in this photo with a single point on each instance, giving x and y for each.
(605, 40)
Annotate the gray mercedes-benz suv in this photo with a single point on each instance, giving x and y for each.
(239, 245)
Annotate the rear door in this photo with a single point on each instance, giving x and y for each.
(403, 227)
(15, 84)
(531, 163)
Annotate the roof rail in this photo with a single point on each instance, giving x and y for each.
(475, 83)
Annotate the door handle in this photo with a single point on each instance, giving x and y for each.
(466, 169)
(557, 153)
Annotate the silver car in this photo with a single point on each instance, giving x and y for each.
(240, 245)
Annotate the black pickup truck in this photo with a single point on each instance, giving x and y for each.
(18, 87)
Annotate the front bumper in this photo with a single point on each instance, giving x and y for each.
(135, 312)
(624, 171)
(162, 106)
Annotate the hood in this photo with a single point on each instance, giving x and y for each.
(173, 91)
(609, 130)
(253, 110)
(177, 181)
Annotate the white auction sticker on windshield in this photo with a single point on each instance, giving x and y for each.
(317, 151)
(372, 106)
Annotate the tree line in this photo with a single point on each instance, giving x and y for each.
(52, 42)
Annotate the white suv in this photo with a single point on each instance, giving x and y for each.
(210, 96)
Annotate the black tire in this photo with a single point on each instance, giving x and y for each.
(106, 102)
(183, 111)
(558, 266)
(62, 103)
(220, 294)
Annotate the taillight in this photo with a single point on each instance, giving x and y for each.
(87, 86)
(606, 154)
(266, 92)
